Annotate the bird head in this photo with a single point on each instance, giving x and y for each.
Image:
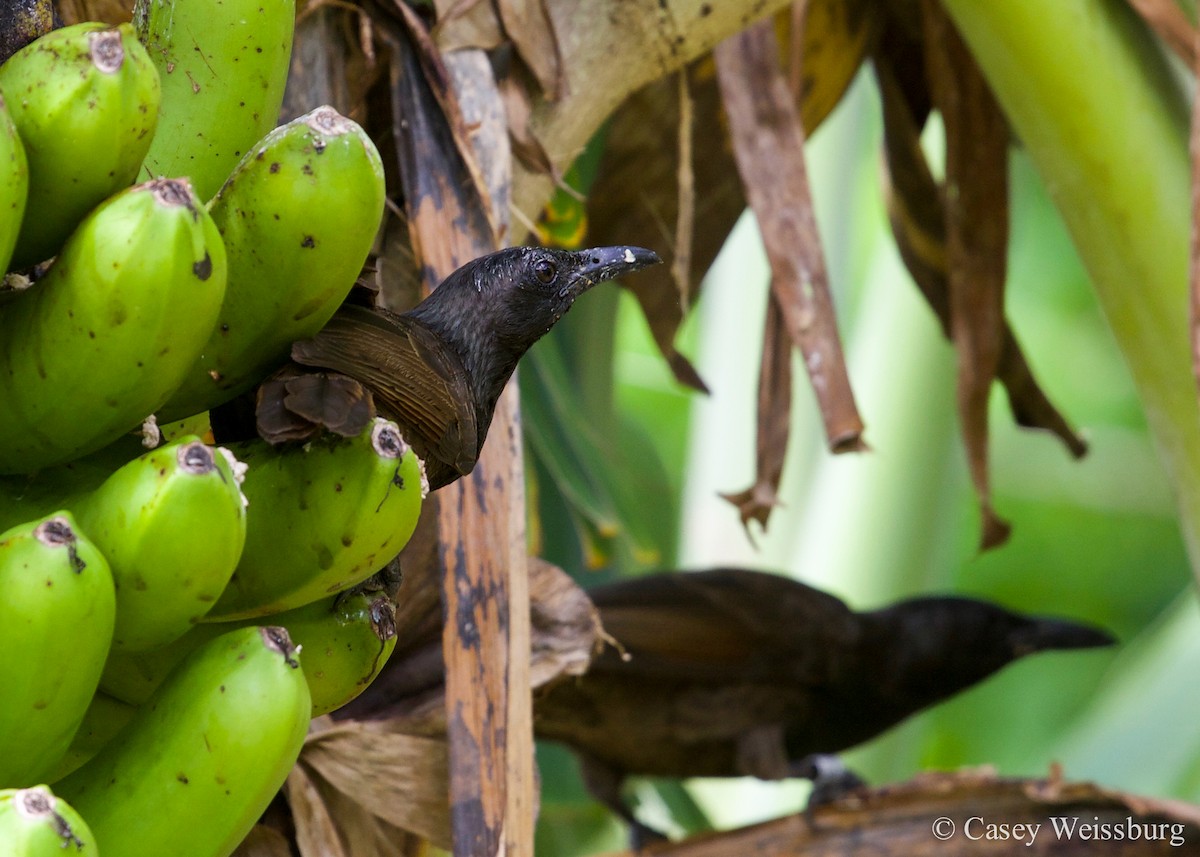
(528, 289)
(494, 308)
(941, 645)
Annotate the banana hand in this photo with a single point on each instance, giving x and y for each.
(85, 101)
(107, 335)
(322, 518)
(197, 765)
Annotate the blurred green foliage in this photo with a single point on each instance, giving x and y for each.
(1094, 540)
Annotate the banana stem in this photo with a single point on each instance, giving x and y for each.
(1091, 98)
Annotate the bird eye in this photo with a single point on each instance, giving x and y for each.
(544, 270)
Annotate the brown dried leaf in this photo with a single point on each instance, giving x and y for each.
(528, 25)
(419, 611)
(976, 200)
(445, 197)
(641, 183)
(481, 103)
(635, 199)
(400, 285)
(565, 630)
(685, 223)
(397, 777)
(774, 420)
(518, 107)
(1030, 406)
(827, 43)
(369, 835)
(79, 11)
(1167, 18)
(918, 220)
(362, 831)
(917, 215)
(467, 24)
(914, 203)
(335, 824)
(637, 194)
(263, 841)
(316, 828)
(768, 146)
(910, 818)
(331, 63)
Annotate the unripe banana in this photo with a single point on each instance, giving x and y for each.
(298, 217)
(85, 101)
(104, 719)
(322, 517)
(223, 68)
(35, 823)
(56, 622)
(14, 185)
(349, 643)
(104, 338)
(171, 524)
(346, 640)
(199, 762)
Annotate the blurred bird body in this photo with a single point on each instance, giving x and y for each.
(438, 369)
(728, 672)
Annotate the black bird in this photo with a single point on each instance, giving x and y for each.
(438, 369)
(728, 672)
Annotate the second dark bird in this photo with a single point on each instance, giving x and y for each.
(728, 673)
(438, 369)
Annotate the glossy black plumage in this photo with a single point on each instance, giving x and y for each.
(438, 369)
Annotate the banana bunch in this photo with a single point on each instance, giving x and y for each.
(164, 245)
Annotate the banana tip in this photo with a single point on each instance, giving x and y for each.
(277, 639)
(106, 50)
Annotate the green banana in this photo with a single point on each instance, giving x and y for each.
(199, 762)
(350, 643)
(223, 68)
(104, 719)
(171, 524)
(322, 517)
(106, 336)
(346, 640)
(14, 185)
(56, 621)
(298, 217)
(85, 101)
(35, 823)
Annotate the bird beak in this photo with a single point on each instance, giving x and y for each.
(606, 263)
(1043, 634)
